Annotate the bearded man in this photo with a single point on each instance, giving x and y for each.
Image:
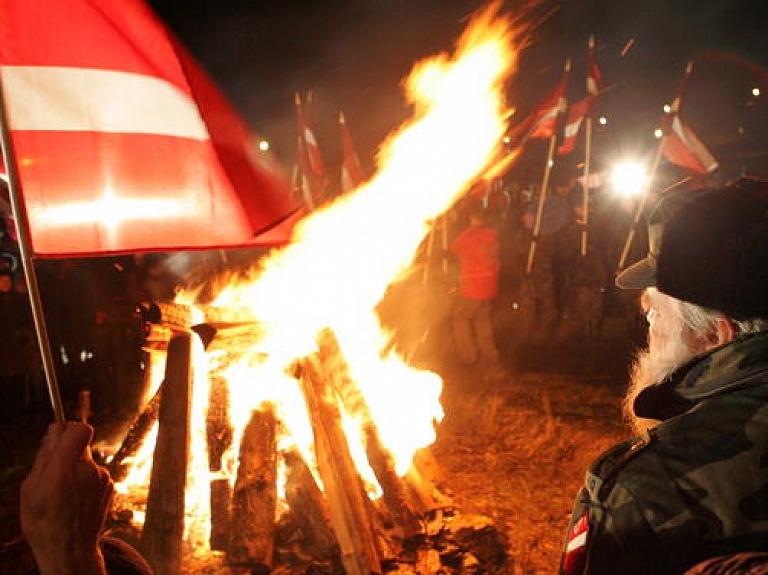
(694, 483)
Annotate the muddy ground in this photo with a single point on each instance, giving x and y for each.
(513, 450)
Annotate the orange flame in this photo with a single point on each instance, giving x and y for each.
(343, 257)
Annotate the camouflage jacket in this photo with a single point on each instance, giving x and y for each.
(695, 486)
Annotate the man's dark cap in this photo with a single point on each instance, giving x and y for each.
(709, 247)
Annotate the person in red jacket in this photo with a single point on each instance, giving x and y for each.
(477, 251)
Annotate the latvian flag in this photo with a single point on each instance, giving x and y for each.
(683, 148)
(576, 546)
(576, 115)
(121, 142)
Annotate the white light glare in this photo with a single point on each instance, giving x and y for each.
(628, 178)
(603, 120)
(264, 146)
(755, 92)
(667, 108)
(658, 133)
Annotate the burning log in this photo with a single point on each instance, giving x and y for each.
(255, 497)
(218, 439)
(308, 507)
(221, 498)
(379, 458)
(421, 482)
(140, 427)
(162, 536)
(347, 500)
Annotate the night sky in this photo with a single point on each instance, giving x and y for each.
(353, 53)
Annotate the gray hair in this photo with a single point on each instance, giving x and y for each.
(702, 321)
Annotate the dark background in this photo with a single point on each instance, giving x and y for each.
(352, 54)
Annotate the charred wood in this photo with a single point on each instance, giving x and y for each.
(379, 458)
(134, 439)
(162, 536)
(255, 496)
(343, 487)
(221, 498)
(308, 507)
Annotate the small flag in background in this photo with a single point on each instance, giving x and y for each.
(546, 115)
(683, 148)
(594, 76)
(122, 142)
(311, 165)
(351, 172)
(573, 122)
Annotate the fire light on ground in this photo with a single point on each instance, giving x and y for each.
(344, 256)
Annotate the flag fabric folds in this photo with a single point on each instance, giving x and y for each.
(351, 172)
(683, 148)
(546, 115)
(573, 122)
(311, 166)
(122, 142)
(545, 120)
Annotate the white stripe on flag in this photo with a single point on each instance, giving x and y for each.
(579, 541)
(573, 128)
(90, 100)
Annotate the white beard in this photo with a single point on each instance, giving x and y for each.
(651, 365)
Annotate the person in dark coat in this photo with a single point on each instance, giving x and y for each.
(693, 484)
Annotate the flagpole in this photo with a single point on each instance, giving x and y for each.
(674, 109)
(547, 171)
(27, 261)
(585, 199)
(587, 156)
(542, 199)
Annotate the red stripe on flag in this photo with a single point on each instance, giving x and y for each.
(156, 188)
(683, 148)
(157, 191)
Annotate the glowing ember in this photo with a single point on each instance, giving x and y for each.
(344, 257)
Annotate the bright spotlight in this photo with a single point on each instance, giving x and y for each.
(667, 108)
(658, 133)
(264, 146)
(629, 178)
(755, 92)
(602, 120)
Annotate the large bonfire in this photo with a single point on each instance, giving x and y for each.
(327, 284)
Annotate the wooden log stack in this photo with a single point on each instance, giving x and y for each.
(340, 520)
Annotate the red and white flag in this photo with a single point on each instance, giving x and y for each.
(122, 142)
(351, 172)
(573, 122)
(543, 121)
(546, 115)
(311, 165)
(683, 148)
(594, 76)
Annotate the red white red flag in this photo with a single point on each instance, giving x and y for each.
(311, 165)
(576, 115)
(594, 77)
(683, 148)
(546, 115)
(543, 121)
(122, 142)
(351, 172)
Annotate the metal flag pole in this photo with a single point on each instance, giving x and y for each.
(27, 261)
(585, 199)
(674, 110)
(547, 171)
(542, 200)
(591, 93)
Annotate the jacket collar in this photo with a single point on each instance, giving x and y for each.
(735, 365)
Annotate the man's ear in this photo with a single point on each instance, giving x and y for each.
(725, 330)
